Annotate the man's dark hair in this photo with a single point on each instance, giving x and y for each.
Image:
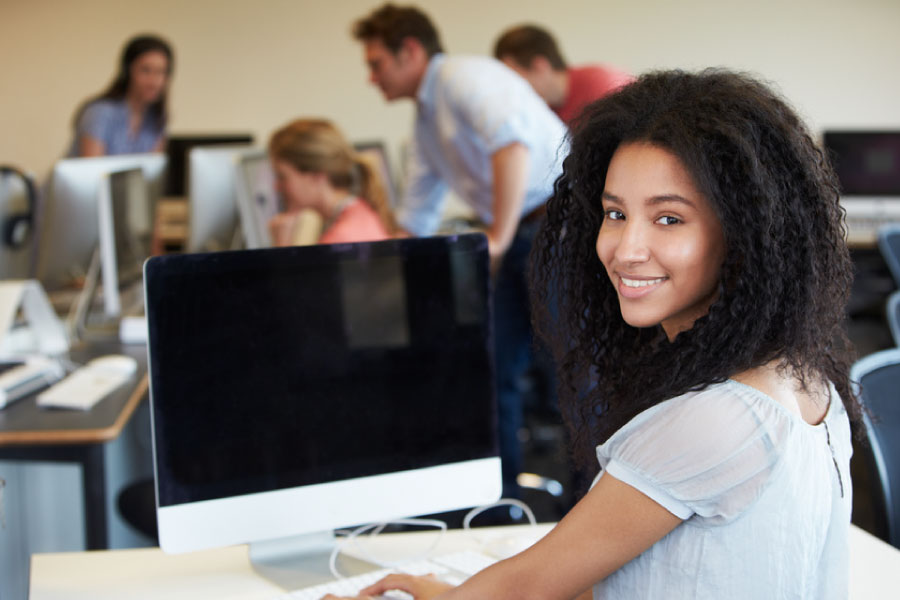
(525, 42)
(391, 24)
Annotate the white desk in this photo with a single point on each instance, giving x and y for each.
(226, 573)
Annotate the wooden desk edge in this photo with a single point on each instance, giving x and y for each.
(81, 436)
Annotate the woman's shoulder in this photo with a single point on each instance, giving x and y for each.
(358, 222)
(717, 419)
(712, 450)
(99, 112)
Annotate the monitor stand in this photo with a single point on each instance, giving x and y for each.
(302, 561)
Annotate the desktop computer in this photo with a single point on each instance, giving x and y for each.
(178, 147)
(123, 244)
(68, 221)
(212, 205)
(298, 390)
(867, 164)
(256, 198)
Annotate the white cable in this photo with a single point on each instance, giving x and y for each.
(482, 541)
(376, 529)
(501, 502)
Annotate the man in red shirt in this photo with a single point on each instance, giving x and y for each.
(532, 53)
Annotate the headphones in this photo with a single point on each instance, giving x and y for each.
(16, 228)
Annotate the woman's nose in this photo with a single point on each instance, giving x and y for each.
(632, 246)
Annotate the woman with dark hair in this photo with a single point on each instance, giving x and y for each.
(691, 277)
(130, 116)
(317, 169)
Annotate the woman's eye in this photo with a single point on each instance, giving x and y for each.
(613, 215)
(667, 220)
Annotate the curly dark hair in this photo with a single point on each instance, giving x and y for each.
(786, 275)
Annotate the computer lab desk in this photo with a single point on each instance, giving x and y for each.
(31, 433)
(226, 573)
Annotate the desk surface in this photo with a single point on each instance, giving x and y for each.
(23, 422)
(226, 573)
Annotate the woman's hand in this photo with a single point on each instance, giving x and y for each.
(281, 228)
(420, 588)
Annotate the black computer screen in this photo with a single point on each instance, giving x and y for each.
(867, 163)
(284, 367)
(179, 146)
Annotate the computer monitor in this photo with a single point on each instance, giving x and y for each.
(256, 198)
(123, 246)
(67, 223)
(214, 222)
(298, 390)
(178, 147)
(867, 163)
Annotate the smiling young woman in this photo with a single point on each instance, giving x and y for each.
(661, 241)
(691, 278)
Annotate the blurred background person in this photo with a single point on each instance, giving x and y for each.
(130, 115)
(317, 169)
(533, 53)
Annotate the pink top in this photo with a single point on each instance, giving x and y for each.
(358, 222)
(589, 83)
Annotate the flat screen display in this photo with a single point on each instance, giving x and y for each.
(287, 367)
(867, 162)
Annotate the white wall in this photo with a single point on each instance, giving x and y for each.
(245, 65)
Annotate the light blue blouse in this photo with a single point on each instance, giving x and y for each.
(108, 121)
(765, 496)
(468, 107)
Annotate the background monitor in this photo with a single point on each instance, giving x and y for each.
(867, 162)
(214, 222)
(123, 246)
(178, 148)
(256, 198)
(67, 230)
(297, 390)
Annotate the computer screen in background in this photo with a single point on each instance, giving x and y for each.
(68, 219)
(867, 164)
(298, 390)
(178, 147)
(124, 245)
(256, 198)
(212, 205)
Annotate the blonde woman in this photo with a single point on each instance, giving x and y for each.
(317, 169)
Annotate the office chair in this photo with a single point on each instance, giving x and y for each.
(893, 316)
(889, 245)
(877, 381)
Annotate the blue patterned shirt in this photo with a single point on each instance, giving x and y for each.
(107, 121)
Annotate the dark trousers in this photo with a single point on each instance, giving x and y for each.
(513, 349)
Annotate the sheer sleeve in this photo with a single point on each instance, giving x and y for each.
(709, 453)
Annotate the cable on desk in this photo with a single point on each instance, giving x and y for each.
(375, 529)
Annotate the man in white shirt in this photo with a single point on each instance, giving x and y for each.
(483, 132)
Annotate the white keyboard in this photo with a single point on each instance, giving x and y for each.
(453, 568)
(90, 384)
(24, 379)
